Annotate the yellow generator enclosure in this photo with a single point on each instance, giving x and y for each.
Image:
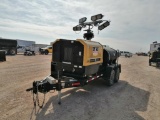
(76, 57)
(93, 52)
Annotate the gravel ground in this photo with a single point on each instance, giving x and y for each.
(135, 97)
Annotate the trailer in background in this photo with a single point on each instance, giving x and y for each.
(23, 45)
(9, 45)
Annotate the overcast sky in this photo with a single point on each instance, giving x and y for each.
(134, 23)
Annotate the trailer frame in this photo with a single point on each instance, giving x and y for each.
(62, 82)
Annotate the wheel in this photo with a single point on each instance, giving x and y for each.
(116, 79)
(110, 81)
(6, 52)
(12, 51)
(46, 52)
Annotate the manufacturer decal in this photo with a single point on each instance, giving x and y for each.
(95, 51)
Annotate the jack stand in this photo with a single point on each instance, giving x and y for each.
(59, 89)
(59, 97)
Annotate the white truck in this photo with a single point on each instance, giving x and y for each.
(126, 53)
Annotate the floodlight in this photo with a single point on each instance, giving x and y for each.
(77, 28)
(96, 17)
(82, 20)
(93, 18)
(101, 27)
(104, 25)
(107, 23)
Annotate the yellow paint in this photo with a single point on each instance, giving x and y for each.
(88, 52)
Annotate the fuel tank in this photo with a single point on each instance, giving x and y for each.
(110, 55)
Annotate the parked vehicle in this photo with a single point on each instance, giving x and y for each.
(154, 46)
(154, 57)
(22, 45)
(29, 53)
(46, 50)
(126, 54)
(10, 46)
(142, 54)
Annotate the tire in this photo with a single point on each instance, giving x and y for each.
(6, 52)
(110, 81)
(46, 52)
(12, 52)
(42, 53)
(117, 74)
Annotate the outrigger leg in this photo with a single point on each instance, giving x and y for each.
(59, 89)
(59, 97)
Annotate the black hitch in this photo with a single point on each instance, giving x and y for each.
(29, 89)
(41, 86)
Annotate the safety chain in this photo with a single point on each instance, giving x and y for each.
(37, 99)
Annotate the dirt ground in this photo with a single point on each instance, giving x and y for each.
(135, 97)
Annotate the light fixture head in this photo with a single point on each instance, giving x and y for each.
(82, 20)
(96, 17)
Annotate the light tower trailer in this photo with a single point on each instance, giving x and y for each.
(78, 62)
